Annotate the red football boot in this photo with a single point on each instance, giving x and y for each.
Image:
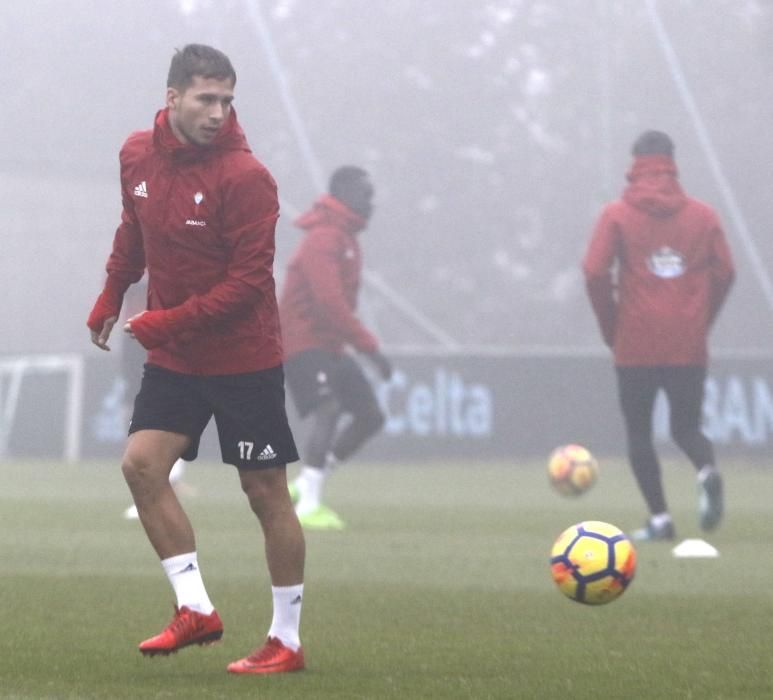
(272, 657)
(187, 627)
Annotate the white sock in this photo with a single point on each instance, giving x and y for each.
(704, 472)
(286, 622)
(184, 575)
(310, 483)
(660, 519)
(178, 469)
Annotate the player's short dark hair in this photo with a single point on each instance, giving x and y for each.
(343, 177)
(201, 60)
(653, 143)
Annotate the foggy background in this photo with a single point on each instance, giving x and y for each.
(494, 131)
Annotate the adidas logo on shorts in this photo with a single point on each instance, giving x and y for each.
(267, 453)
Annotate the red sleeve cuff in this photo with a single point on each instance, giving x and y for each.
(108, 303)
(155, 328)
(151, 329)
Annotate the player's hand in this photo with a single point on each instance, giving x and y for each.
(100, 338)
(381, 363)
(104, 314)
(127, 327)
(152, 329)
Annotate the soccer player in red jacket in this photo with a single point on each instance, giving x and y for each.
(319, 325)
(657, 271)
(199, 213)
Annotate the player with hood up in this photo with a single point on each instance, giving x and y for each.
(657, 272)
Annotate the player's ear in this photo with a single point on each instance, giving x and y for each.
(173, 96)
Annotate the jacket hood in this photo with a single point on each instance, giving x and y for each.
(229, 138)
(654, 186)
(328, 211)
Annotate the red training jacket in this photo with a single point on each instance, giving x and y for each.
(673, 265)
(202, 220)
(319, 296)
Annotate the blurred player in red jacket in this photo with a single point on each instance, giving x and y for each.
(319, 326)
(657, 271)
(199, 213)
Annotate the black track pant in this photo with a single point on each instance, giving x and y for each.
(637, 389)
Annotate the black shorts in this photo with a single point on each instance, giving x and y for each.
(249, 411)
(316, 375)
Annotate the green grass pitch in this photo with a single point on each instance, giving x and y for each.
(439, 588)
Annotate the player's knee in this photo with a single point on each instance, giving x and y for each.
(264, 489)
(373, 421)
(678, 436)
(641, 449)
(141, 469)
(135, 468)
(329, 410)
(684, 435)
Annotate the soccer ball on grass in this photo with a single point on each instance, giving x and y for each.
(572, 470)
(592, 562)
